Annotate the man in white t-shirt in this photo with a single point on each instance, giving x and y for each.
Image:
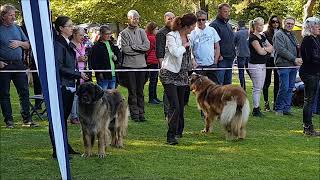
(205, 46)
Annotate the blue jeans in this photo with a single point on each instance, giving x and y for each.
(20, 81)
(316, 106)
(287, 79)
(107, 83)
(242, 63)
(225, 76)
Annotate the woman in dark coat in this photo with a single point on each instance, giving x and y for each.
(66, 64)
(104, 57)
(310, 70)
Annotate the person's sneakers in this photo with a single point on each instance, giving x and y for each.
(29, 124)
(154, 101)
(54, 156)
(267, 106)
(287, 113)
(9, 125)
(309, 130)
(279, 113)
(178, 136)
(71, 151)
(256, 112)
(173, 141)
(142, 119)
(75, 121)
(135, 119)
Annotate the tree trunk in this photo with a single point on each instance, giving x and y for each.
(204, 5)
(307, 9)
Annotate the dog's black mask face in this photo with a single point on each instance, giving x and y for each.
(89, 93)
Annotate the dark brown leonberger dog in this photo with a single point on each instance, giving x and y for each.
(229, 103)
(103, 114)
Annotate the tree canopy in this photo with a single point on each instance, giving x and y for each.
(106, 11)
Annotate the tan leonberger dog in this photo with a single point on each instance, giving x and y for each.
(229, 103)
(103, 114)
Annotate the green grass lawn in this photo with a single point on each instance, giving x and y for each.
(275, 148)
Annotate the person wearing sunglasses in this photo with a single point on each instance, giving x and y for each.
(205, 46)
(273, 26)
(65, 57)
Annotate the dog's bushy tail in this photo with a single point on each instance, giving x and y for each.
(236, 118)
(228, 112)
(241, 120)
(245, 112)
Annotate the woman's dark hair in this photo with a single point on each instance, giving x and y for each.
(151, 26)
(270, 28)
(184, 21)
(60, 21)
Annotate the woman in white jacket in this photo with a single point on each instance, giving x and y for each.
(174, 72)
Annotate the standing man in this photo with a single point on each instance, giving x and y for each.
(227, 53)
(205, 46)
(12, 43)
(242, 51)
(286, 55)
(160, 49)
(134, 45)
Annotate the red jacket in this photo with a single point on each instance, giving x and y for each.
(151, 54)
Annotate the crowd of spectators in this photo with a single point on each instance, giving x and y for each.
(184, 43)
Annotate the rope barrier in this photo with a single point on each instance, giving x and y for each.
(151, 70)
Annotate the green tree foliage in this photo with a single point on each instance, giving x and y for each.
(105, 11)
(249, 9)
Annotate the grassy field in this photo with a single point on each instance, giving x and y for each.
(275, 148)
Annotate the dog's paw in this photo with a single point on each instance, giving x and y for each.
(85, 155)
(204, 131)
(102, 155)
(120, 146)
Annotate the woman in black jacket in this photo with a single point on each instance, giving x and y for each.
(274, 24)
(310, 70)
(104, 57)
(66, 61)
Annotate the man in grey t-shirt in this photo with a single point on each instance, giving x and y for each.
(12, 43)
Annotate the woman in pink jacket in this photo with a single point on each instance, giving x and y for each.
(78, 46)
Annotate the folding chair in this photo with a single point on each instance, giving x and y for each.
(36, 109)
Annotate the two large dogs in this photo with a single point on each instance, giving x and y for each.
(103, 114)
(229, 103)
